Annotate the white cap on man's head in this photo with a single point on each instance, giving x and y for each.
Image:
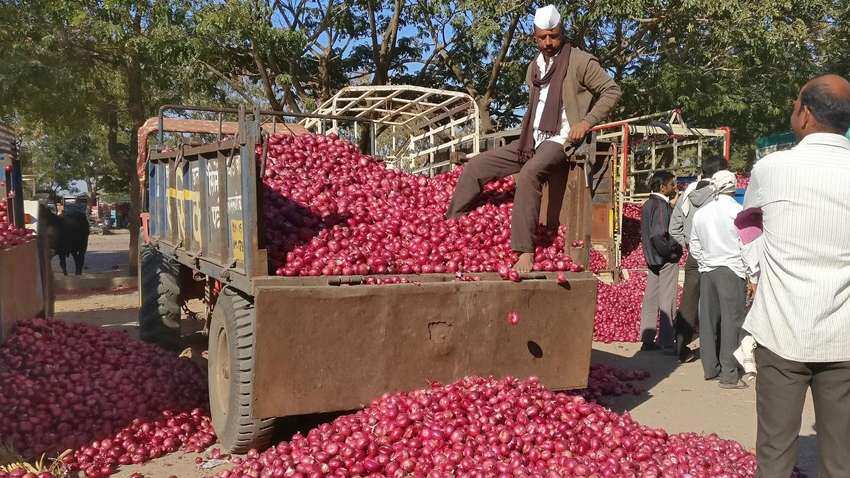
(724, 181)
(547, 18)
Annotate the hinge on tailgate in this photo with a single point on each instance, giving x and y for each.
(225, 274)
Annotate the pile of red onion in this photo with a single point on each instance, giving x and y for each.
(743, 180)
(11, 236)
(481, 427)
(329, 210)
(618, 310)
(111, 399)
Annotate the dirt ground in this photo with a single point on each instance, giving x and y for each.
(676, 398)
(106, 253)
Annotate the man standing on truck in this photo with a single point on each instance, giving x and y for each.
(553, 127)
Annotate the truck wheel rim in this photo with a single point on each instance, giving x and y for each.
(222, 372)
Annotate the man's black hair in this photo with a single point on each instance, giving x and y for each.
(712, 164)
(829, 109)
(658, 179)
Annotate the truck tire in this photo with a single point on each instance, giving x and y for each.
(231, 375)
(159, 291)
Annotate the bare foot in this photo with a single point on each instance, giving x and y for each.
(525, 262)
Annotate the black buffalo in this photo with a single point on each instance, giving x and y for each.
(65, 235)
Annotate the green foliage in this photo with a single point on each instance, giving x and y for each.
(65, 155)
(88, 68)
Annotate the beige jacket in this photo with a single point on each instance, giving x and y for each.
(586, 80)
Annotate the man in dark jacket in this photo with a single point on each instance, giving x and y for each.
(691, 199)
(662, 255)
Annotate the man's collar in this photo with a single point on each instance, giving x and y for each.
(659, 195)
(828, 139)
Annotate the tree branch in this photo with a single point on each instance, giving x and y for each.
(236, 87)
(507, 38)
(267, 82)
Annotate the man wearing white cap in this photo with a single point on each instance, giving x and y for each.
(723, 287)
(554, 125)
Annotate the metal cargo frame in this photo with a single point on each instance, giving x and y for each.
(635, 149)
(414, 128)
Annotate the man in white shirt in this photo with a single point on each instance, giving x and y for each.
(695, 195)
(723, 288)
(801, 312)
(569, 93)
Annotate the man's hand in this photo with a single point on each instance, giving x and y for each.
(579, 131)
(751, 290)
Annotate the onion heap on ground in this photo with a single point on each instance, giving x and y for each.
(112, 399)
(484, 427)
(115, 401)
(68, 384)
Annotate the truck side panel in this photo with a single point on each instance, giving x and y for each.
(202, 209)
(330, 348)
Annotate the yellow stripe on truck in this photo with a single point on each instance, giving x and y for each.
(184, 194)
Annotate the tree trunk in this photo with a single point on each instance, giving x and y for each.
(325, 75)
(91, 185)
(136, 108)
(486, 123)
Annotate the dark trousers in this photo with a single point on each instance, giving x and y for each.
(722, 303)
(659, 299)
(549, 159)
(687, 316)
(780, 392)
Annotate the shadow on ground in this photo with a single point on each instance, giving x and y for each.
(96, 262)
(659, 365)
(125, 320)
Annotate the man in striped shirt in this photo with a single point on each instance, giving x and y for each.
(801, 313)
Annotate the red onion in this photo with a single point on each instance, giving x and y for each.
(474, 427)
(329, 210)
(607, 381)
(618, 308)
